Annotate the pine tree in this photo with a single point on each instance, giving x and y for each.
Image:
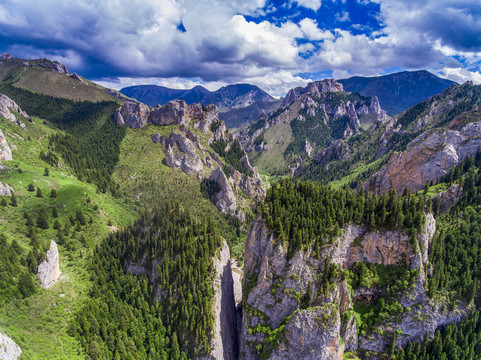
(39, 193)
(13, 200)
(53, 193)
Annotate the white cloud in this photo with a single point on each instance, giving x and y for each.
(342, 17)
(310, 4)
(460, 75)
(312, 32)
(139, 39)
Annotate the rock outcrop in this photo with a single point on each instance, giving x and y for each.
(136, 114)
(448, 198)
(427, 158)
(316, 87)
(7, 105)
(225, 340)
(181, 154)
(5, 190)
(48, 271)
(8, 349)
(308, 325)
(224, 200)
(5, 151)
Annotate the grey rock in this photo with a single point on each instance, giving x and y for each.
(224, 200)
(225, 345)
(133, 114)
(181, 154)
(8, 349)
(7, 105)
(76, 77)
(313, 88)
(448, 198)
(6, 57)
(48, 271)
(5, 190)
(60, 68)
(427, 158)
(5, 151)
(312, 335)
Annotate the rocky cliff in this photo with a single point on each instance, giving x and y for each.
(8, 349)
(7, 109)
(311, 120)
(136, 114)
(225, 340)
(290, 312)
(190, 148)
(48, 271)
(427, 158)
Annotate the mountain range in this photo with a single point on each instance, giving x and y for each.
(326, 229)
(399, 91)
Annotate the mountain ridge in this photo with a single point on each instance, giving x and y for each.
(397, 92)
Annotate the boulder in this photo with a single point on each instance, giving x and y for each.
(5, 190)
(76, 77)
(49, 269)
(8, 349)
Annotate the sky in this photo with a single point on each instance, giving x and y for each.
(276, 45)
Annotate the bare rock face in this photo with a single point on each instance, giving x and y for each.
(337, 150)
(76, 77)
(133, 114)
(49, 270)
(5, 190)
(6, 57)
(54, 66)
(224, 200)
(428, 157)
(313, 334)
(225, 340)
(448, 198)
(136, 114)
(60, 68)
(316, 87)
(279, 285)
(5, 151)
(7, 105)
(8, 349)
(181, 154)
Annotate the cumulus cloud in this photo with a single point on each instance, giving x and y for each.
(312, 32)
(131, 41)
(310, 4)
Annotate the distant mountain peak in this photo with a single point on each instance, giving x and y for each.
(315, 88)
(399, 91)
(228, 97)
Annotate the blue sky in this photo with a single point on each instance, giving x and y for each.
(274, 44)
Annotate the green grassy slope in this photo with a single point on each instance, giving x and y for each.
(39, 323)
(49, 82)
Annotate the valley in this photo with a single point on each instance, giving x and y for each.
(326, 227)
